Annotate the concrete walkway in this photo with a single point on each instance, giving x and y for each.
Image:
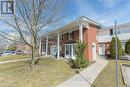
(87, 76)
(9, 61)
(17, 60)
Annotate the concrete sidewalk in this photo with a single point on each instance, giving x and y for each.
(87, 76)
(9, 61)
(17, 60)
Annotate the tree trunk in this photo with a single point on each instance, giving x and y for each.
(33, 52)
(32, 61)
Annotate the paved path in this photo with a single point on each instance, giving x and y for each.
(87, 76)
(9, 61)
(17, 60)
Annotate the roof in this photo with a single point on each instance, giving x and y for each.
(90, 20)
(76, 22)
(118, 26)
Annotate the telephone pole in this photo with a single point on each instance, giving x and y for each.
(117, 82)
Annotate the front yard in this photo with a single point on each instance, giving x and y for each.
(107, 77)
(49, 73)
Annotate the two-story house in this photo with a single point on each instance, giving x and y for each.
(105, 35)
(62, 41)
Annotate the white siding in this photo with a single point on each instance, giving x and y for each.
(123, 32)
(107, 38)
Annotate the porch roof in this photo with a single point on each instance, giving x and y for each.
(74, 25)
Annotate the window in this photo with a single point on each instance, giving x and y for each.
(67, 36)
(71, 35)
(74, 50)
(67, 49)
(44, 49)
(118, 32)
(62, 37)
(111, 32)
(101, 45)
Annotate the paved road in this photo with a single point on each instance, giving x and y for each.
(87, 76)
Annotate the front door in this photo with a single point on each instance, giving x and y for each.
(101, 49)
(94, 51)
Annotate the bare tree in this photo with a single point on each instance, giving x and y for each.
(31, 17)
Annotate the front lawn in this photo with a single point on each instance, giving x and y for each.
(107, 77)
(13, 57)
(49, 73)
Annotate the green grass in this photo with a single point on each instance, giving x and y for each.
(107, 77)
(13, 57)
(49, 73)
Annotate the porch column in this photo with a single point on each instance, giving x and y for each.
(40, 46)
(58, 45)
(81, 32)
(46, 45)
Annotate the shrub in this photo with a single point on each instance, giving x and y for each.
(113, 49)
(12, 47)
(127, 47)
(81, 61)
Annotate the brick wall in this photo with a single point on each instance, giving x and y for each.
(90, 37)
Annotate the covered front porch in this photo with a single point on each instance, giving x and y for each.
(62, 42)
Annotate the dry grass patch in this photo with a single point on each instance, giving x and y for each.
(49, 73)
(107, 77)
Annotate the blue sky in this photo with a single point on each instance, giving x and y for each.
(102, 11)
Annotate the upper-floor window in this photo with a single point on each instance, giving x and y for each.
(62, 37)
(118, 32)
(70, 35)
(111, 32)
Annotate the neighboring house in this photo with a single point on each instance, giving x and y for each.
(62, 42)
(105, 35)
(24, 48)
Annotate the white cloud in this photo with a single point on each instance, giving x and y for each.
(109, 3)
(120, 13)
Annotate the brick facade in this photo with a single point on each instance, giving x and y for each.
(89, 36)
(89, 29)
